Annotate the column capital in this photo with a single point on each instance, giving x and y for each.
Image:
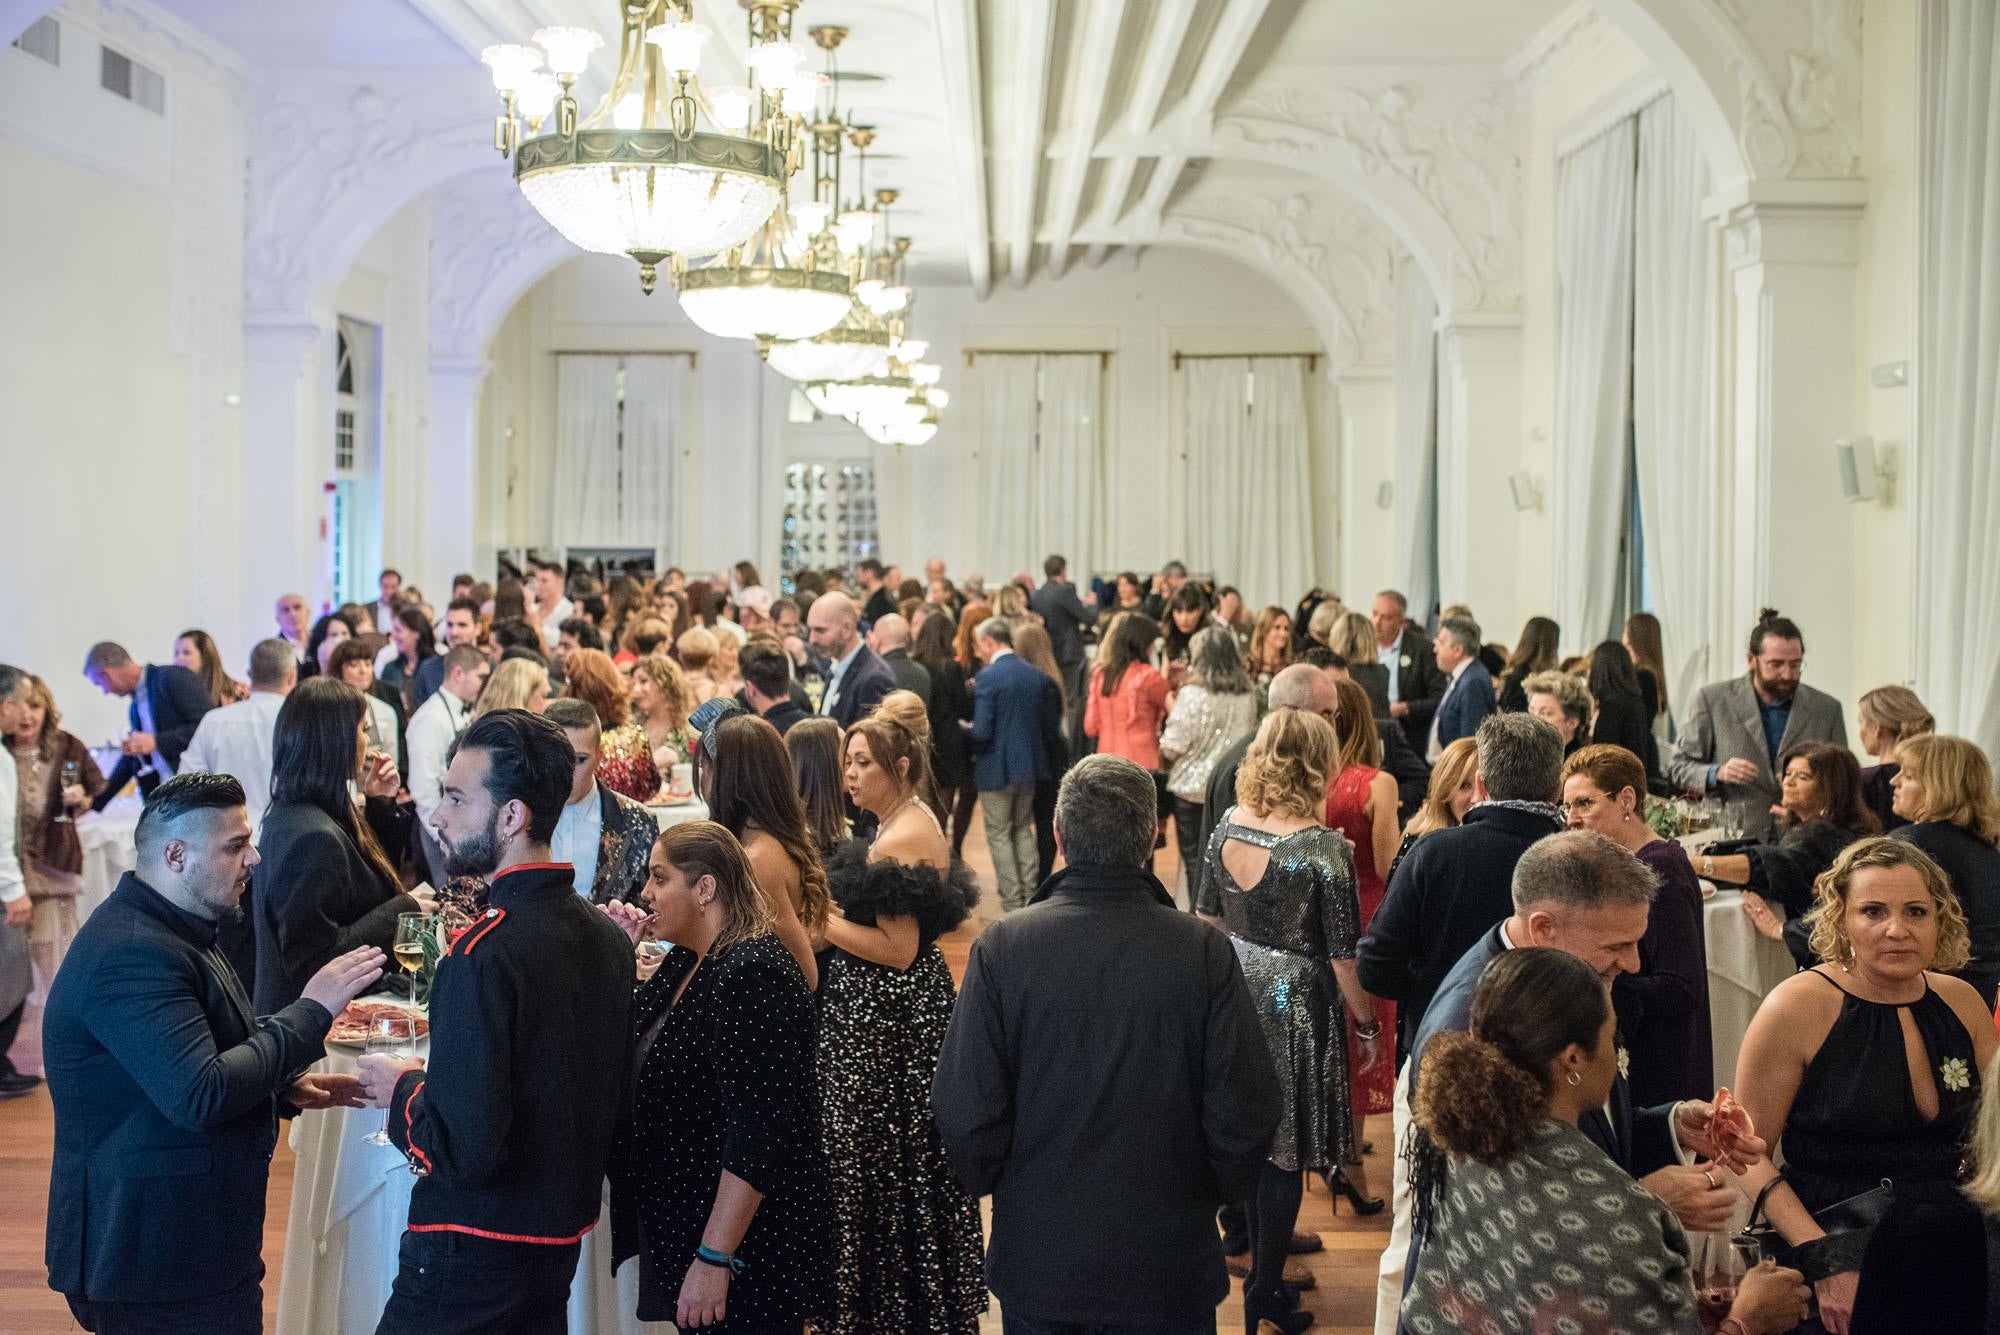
(465, 374)
(1790, 222)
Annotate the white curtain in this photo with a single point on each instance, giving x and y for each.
(1957, 460)
(1414, 495)
(1004, 403)
(649, 499)
(1673, 341)
(583, 501)
(1068, 432)
(1594, 188)
(1249, 483)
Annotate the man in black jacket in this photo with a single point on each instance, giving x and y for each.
(1416, 682)
(1105, 1080)
(510, 1128)
(167, 1087)
(1454, 885)
(167, 704)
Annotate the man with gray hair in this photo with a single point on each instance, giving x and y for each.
(1099, 1010)
(1579, 893)
(1468, 692)
(1454, 884)
(236, 739)
(167, 704)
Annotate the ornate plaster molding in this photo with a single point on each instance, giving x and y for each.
(488, 245)
(1797, 71)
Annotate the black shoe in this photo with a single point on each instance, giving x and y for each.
(1337, 1183)
(1274, 1312)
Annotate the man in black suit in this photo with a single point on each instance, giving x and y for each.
(856, 678)
(768, 687)
(1416, 682)
(294, 620)
(874, 582)
(1100, 999)
(167, 704)
(890, 637)
(1064, 616)
(167, 1087)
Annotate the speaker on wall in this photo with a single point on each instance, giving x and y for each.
(1860, 476)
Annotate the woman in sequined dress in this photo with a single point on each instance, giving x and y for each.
(906, 1236)
(625, 758)
(1282, 885)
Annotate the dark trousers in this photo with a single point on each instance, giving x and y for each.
(964, 801)
(457, 1284)
(1235, 1221)
(1187, 837)
(1045, 827)
(1022, 1325)
(240, 1311)
(10, 1029)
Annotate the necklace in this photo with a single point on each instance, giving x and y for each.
(24, 753)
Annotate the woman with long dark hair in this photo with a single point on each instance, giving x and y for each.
(1127, 702)
(1622, 718)
(1187, 613)
(327, 882)
(327, 632)
(1820, 791)
(814, 746)
(747, 783)
(1649, 656)
(1538, 650)
(414, 640)
(195, 650)
(951, 702)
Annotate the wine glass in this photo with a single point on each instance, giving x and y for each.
(72, 775)
(390, 1034)
(409, 944)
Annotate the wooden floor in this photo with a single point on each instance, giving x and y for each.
(1344, 1300)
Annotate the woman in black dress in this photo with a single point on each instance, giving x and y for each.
(326, 881)
(1944, 795)
(1538, 650)
(1622, 718)
(1889, 716)
(1868, 1066)
(719, 1182)
(951, 702)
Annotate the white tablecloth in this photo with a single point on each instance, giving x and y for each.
(1743, 966)
(678, 813)
(108, 852)
(350, 1201)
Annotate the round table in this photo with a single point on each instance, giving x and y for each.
(1743, 966)
(108, 851)
(350, 1202)
(678, 813)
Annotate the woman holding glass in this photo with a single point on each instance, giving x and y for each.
(56, 781)
(326, 883)
(1820, 793)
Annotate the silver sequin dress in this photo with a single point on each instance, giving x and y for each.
(1300, 915)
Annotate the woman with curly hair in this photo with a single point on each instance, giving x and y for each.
(907, 1239)
(662, 702)
(625, 758)
(1497, 1143)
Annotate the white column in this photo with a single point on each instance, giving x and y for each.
(1787, 531)
(1479, 447)
(288, 457)
(449, 473)
(1367, 427)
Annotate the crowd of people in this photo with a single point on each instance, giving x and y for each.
(1418, 874)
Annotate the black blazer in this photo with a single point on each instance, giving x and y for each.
(1929, 1267)
(1622, 720)
(317, 897)
(862, 687)
(1420, 684)
(910, 675)
(951, 704)
(1064, 616)
(179, 700)
(1100, 1007)
(1373, 678)
(1973, 866)
(166, 1089)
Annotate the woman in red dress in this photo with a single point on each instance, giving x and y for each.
(1361, 804)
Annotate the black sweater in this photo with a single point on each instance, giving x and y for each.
(511, 1126)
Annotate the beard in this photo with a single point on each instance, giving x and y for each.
(223, 901)
(1775, 688)
(476, 856)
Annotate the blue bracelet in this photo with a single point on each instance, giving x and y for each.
(709, 1256)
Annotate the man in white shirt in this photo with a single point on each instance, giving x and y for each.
(605, 836)
(857, 678)
(1468, 692)
(294, 627)
(236, 739)
(555, 608)
(433, 728)
(16, 971)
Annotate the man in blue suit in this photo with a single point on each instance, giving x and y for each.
(857, 678)
(167, 1086)
(1016, 724)
(1468, 692)
(167, 704)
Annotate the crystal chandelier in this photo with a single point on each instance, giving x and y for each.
(637, 176)
(792, 282)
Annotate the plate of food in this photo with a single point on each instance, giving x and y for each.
(351, 1027)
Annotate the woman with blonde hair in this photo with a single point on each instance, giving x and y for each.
(1944, 797)
(1867, 1066)
(662, 701)
(1354, 640)
(1890, 716)
(518, 683)
(1270, 645)
(1452, 792)
(56, 780)
(697, 650)
(1282, 885)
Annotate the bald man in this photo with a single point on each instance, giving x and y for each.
(890, 638)
(857, 678)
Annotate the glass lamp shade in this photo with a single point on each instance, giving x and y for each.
(569, 48)
(906, 431)
(774, 63)
(838, 354)
(871, 398)
(808, 216)
(680, 45)
(926, 373)
(764, 303)
(731, 106)
(644, 192)
(511, 64)
(853, 229)
(537, 95)
(911, 349)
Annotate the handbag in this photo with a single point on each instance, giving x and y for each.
(1848, 1225)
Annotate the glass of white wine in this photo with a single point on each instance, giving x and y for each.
(409, 944)
(390, 1034)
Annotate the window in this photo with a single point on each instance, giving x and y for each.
(344, 413)
(136, 83)
(42, 40)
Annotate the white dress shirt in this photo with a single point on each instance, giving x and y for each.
(840, 666)
(578, 830)
(1390, 658)
(433, 728)
(552, 623)
(12, 884)
(236, 740)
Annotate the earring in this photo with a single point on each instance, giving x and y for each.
(1573, 1078)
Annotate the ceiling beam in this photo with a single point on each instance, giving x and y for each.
(1083, 115)
(1149, 88)
(958, 52)
(1219, 59)
(1035, 33)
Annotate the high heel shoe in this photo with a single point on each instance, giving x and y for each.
(1336, 1182)
(1261, 1316)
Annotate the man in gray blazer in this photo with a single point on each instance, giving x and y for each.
(1731, 739)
